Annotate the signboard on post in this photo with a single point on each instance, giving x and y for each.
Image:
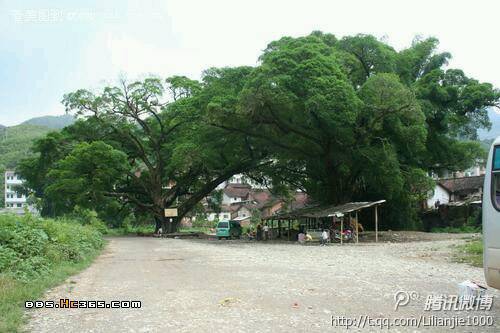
(170, 212)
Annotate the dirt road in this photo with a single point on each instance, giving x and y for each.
(214, 286)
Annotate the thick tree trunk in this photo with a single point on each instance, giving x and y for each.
(165, 227)
(173, 224)
(157, 224)
(168, 224)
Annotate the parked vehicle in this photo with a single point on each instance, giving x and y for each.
(228, 229)
(491, 217)
(347, 235)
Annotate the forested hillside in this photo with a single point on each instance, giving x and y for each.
(15, 144)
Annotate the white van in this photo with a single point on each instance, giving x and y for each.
(491, 217)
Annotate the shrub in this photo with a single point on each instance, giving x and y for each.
(88, 217)
(31, 246)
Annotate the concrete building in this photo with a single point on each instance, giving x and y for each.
(13, 197)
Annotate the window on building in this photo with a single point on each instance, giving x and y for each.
(19, 205)
(495, 178)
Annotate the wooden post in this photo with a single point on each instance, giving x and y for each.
(289, 230)
(270, 233)
(376, 224)
(341, 230)
(357, 229)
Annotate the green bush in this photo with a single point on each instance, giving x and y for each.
(88, 217)
(29, 247)
(467, 229)
(36, 254)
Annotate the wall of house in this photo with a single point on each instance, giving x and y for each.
(226, 200)
(244, 212)
(221, 216)
(439, 194)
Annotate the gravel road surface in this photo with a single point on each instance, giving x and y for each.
(237, 286)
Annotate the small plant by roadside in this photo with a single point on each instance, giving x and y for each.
(471, 253)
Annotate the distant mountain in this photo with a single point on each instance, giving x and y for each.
(495, 127)
(53, 122)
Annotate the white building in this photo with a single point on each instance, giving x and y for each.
(224, 215)
(241, 179)
(13, 198)
(477, 170)
(439, 195)
(455, 190)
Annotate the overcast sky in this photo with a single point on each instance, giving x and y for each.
(48, 48)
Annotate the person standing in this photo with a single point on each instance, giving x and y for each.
(266, 232)
(259, 232)
(324, 237)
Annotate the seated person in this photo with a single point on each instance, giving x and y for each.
(301, 238)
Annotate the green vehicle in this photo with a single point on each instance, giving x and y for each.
(228, 229)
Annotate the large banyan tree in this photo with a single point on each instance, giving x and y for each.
(342, 119)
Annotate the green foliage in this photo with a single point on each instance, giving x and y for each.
(256, 216)
(131, 144)
(214, 201)
(31, 247)
(86, 175)
(465, 229)
(36, 254)
(88, 217)
(348, 119)
(201, 222)
(353, 119)
(462, 224)
(15, 144)
(127, 228)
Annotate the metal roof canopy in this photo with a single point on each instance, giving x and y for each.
(324, 211)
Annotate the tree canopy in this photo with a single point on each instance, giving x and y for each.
(342, 119)
(132, 148)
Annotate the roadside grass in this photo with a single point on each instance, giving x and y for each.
(466, 229)
(14, 293)
(37, 254)
(470, 253)
(195, 229)
(139, 230)
(145, 230)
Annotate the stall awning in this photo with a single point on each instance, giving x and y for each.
(324, 211)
